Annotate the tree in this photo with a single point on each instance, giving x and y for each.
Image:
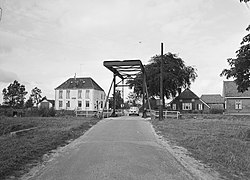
(176, 75)
(36, 95)
(133, 99)
(240, 66)
(118, 100)
(14, 95)
(29, 103)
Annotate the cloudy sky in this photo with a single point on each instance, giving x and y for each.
(43, 43)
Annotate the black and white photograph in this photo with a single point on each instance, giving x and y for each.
(124, 90)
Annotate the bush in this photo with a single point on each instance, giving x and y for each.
(52, 112)
(216, 111)
(32, 112)
(64, 112)
(47, 112)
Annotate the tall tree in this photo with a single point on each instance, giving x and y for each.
(118, 100)
(133, 99)
(14, 95)
(36, 95)
(176, 75)
(29, 103)
(240, 66)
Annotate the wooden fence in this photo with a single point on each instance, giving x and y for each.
(166, 114)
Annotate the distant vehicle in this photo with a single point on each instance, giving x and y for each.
(134, 111)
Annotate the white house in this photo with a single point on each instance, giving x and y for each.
(79, 93)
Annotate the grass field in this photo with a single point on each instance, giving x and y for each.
(16, 152)
(221, 142)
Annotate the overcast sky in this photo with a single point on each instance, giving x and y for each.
(43, 43)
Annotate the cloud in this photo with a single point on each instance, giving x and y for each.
(5, 49)
(6, 76)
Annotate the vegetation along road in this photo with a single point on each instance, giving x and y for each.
(115, 148)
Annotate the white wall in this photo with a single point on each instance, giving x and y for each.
(94, 96)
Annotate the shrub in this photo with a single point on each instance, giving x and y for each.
(216, 111)
(47, 112)
(52, 112)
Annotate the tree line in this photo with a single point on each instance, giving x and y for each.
(14, 96)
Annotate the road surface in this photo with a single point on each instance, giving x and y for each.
(123, 148)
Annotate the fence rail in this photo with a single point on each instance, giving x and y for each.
(166, 114)
(85, 113)
(99, 114)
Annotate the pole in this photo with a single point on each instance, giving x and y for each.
(144, 113)
(161, 85)
(114, 98)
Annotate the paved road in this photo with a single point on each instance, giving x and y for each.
(121, 148)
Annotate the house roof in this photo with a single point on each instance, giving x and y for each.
(187, 94)
(212, 98)
(49, 100)
(230, 90)
(80, 83)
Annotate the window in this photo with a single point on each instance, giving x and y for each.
(200, 106)
(186, 106)
(238, 104)
(68, 104)
(174, 106)
(101, 95)
(60, 104)
(87, 94)
(68, 94)
(60, 94)
(79, 104)
(79, 94)
(87, 104)
(101, 104)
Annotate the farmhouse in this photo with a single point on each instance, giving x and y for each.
(187, 102)
(214, 101)
(79, 93)
(235, 102)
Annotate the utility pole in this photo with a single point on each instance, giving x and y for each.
(161, 85)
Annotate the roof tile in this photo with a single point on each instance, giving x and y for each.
(187, 94)
(230, 90)
(212, 98)
(80, 83)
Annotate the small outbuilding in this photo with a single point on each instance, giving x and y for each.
(214, 101)
(46, 103)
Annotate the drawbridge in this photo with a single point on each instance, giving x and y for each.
(126, 70)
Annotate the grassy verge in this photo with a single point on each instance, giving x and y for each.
(18, 151)
(222, 142)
